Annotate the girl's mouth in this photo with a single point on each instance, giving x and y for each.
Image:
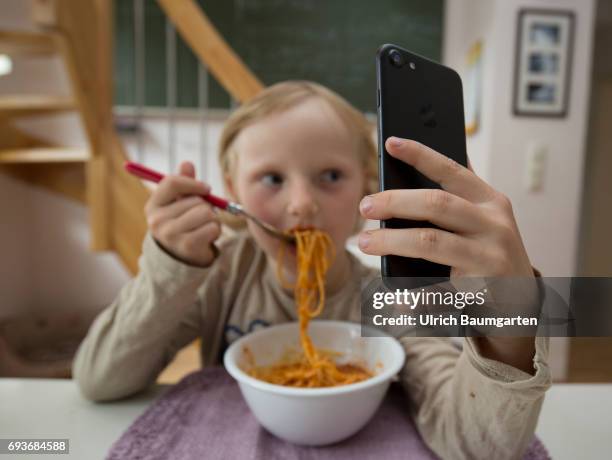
(292, 248)
(301, 228)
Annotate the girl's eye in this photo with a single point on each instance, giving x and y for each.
(332, 175)
(272, 179)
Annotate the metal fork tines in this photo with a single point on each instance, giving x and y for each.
(236, 209)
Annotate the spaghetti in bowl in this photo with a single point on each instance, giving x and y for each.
(315, 416)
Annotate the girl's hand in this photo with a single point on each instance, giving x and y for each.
(478, 235)
(184, 225)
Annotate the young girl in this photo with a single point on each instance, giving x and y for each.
(298, 155)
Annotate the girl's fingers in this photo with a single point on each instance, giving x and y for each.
(437, 206)
(430, 244)
(186, 168)
(199, 240)
(173, 187)
(192, 219)
(451, 176)
(159, 216)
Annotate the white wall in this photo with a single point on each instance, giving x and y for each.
(465, 22)
(549, 218)
(65, 273)
(46, 264)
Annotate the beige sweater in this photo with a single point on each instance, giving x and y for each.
(464, 405)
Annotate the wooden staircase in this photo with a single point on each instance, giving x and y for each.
(56, 167)
(80, 32)
(44, 155)
(26, 43)
(34, 104)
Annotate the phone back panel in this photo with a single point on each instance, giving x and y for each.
(423, 103)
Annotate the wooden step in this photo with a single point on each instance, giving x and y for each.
(33, 104)
(66, 179)
(44, 155)
(14, 42)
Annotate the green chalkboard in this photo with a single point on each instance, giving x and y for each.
(332, 42)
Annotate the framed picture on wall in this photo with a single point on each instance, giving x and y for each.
(543, 62)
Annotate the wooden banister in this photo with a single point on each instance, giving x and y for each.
(86, 43)
(210, 47)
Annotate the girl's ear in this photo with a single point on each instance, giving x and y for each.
(229, 187)
(232, 221)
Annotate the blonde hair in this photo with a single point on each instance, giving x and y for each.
(284, 96)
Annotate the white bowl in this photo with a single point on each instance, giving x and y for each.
(315, 416)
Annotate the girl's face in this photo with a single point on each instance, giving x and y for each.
(299, 168)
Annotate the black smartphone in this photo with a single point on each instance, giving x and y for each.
(422, 100)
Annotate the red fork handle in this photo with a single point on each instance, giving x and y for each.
(151, 175)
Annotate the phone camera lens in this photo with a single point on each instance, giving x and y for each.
(412, 65)
(396, 58)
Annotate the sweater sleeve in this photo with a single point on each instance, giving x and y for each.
(133, 339)
(468, 406)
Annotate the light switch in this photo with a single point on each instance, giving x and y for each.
(535, 166)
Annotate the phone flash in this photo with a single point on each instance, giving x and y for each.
(412, 65)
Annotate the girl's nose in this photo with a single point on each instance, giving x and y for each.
(302, 203)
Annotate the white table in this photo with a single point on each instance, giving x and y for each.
(54, 408)
(576, 420)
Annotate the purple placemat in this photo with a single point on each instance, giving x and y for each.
(205, 417)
